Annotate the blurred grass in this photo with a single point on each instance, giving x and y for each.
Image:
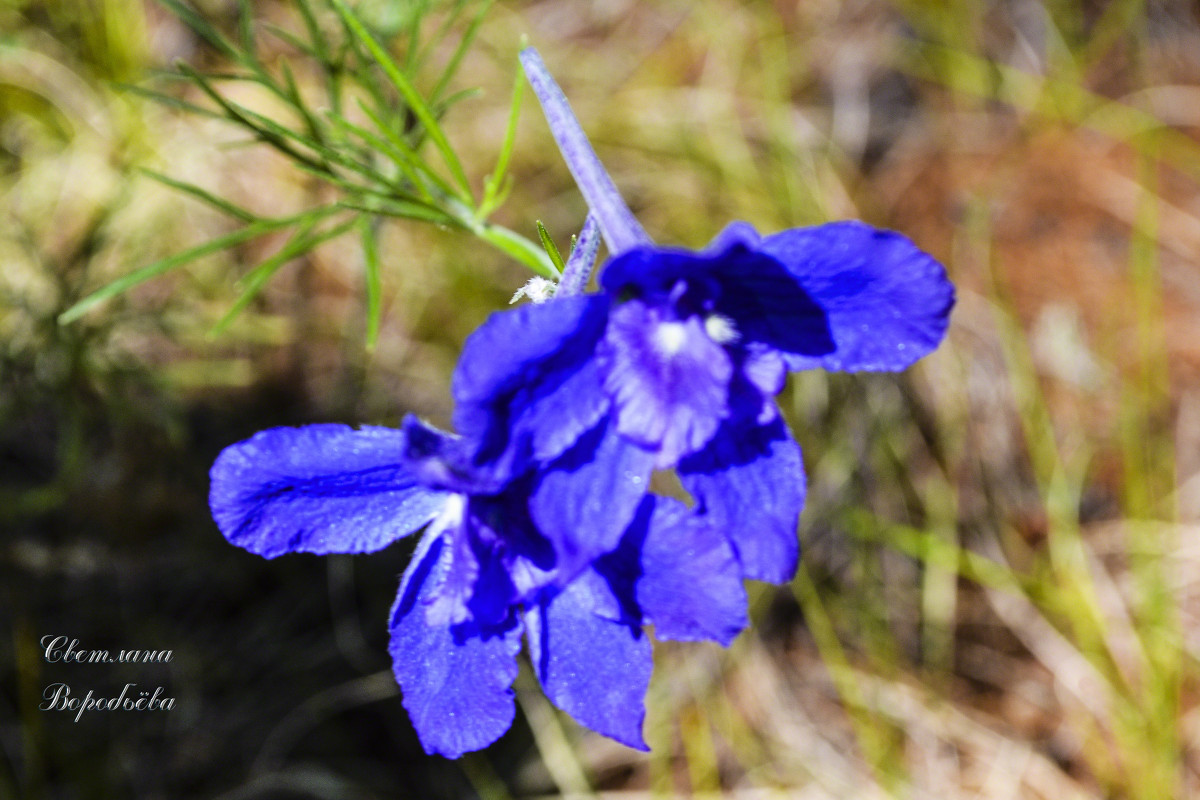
(999, 596)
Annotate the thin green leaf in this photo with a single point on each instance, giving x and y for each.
(419, 10)
(315, 34)
(418, 53)
(295, 41)
(397, 156)
(549, 246)
(219, 203)
(266, 129)
(223, 77)
(323, 157)
(495, 184)
(394, 195)
(515, 245)
(460, 51)
(162, 266)
(405, 209)
(300, 243)
(320, 50)
(410, 95)
(498, 196)
(360, 71)
(927, 547)
(294, 97)
(440, 109)
(202, 27)
(374, 287)
(246, 30)
(341, 182)
(171, 102)
(402, 146)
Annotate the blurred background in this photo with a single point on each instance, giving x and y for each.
(1000, 594)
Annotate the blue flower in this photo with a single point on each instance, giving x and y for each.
(574, 555)
(538, 520)
(682, 352)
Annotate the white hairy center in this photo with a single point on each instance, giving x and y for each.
(720, 329)
(669, 337)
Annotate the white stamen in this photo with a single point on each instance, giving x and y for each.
(539, 290)
(669, 337)
(720, 329)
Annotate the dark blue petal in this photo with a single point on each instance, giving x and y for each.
(750, 481)
(676, 570)
(766, 304)
(443, 461)
(595, 669)
(318, 489)
(529, 558)
(668, 380)
(887, 303)
(651, 272)
(691, 583)
(456, 681)
(747, 288)
(526, 384)
(585, 500)
(489, 559)
(610, 582)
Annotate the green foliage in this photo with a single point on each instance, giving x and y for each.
(550, 247)
(377, 169)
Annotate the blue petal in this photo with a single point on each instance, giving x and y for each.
(676, 570)
(595, 669)
(585, 500)
(456, 681)
(529, 559)
(767, 304)
(652, 271)
(750, 481)
(668, 380)
(492, 558)
(751, 289)
(887, 303)
(691, 583)
(762, 375)
(318, 489)
(526, 385)
(448, 595)
(735, 233)
(621, 229)
(443, 461)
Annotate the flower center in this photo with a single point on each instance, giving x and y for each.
(669, 337)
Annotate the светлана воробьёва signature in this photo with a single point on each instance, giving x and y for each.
(62, 649)
(58, 697)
